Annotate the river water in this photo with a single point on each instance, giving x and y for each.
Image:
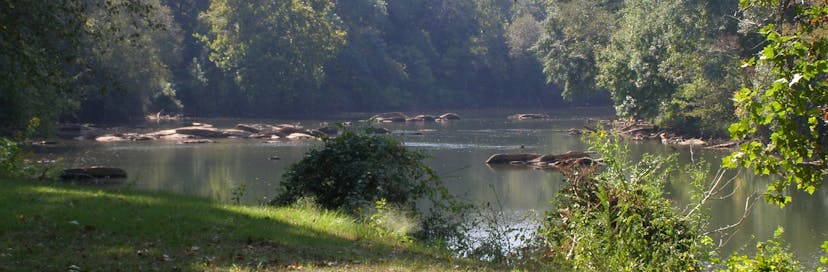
(458, 150)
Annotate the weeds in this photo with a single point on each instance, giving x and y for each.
(617, 219)
(237, 193)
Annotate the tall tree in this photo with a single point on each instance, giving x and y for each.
(274, 50)
(712, 75)
(133, 68)
(44, 53)
(574, 34)
(651, 54)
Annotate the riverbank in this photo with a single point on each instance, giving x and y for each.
(53, 226)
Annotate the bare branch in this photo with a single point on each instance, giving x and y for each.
(749, 205)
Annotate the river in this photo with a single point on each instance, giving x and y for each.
(458, 150)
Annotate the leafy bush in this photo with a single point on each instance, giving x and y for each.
(12, 161)
(618, 219)
(770, 256)
(355, 170)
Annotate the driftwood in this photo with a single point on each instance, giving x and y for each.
(727, 145)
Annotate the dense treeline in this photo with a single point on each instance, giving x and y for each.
(377, 55)
(673, 62)
(120, 60)
(754, 70)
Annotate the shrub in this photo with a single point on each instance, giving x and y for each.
(12, 160)
(770, 256)
(15, 163)
(355, 170)
(618, 220)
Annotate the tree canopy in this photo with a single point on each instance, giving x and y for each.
(783, 114)
(120, 60)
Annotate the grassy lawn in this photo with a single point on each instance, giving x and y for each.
(59, 227)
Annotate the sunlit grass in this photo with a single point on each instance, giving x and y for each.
(58, 227)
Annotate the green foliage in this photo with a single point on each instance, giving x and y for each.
(666, 61)
(435, 54)
(697, 108)
(619, 220)
(83, 60)
(36, 40)
(131, 75)
(12, 159)
(824, 259)
(109, 229)
(770, 256)
(575, 33)
(392, 222)
(52, 51)
(782, 121)
(274, 50)
(354, 170)
(651, 54)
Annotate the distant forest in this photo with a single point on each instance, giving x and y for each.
(677, 63)
(124, 59)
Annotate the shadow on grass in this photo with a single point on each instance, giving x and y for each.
(61, 227)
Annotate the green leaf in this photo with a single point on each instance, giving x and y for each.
(768, 53)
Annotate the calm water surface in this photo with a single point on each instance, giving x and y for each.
(458, 150)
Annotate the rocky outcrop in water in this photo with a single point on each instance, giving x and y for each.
(198, 131)
(390, 117)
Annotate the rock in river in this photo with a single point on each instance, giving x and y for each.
(511, 158)
(300, 136)
(529, 116)
(422, 118)
(205, 132)
(93, 172)
(449, 116)
(389, 117)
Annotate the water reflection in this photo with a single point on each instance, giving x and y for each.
(457, 151)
